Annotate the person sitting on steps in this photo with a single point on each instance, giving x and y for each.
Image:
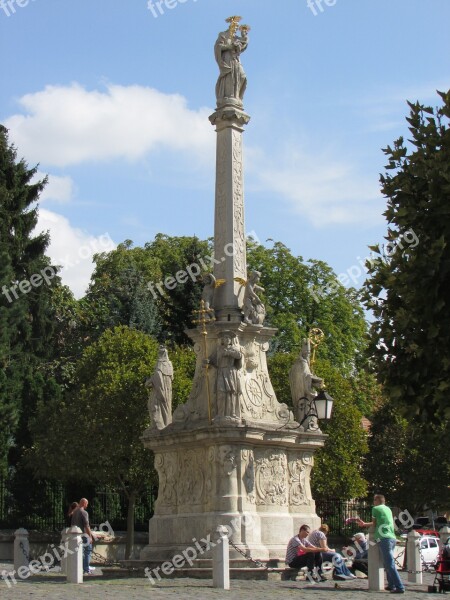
(301, 553)
(319, 538)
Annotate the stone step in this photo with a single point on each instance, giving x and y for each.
(201, 573)
(204, 563)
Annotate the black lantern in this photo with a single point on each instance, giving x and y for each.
(323, 405)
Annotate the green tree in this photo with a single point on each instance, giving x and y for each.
(407, 288)
(304, 295)
(339, 464)
(176, 305)
(26, 315)
(93, 433)
(118, 293)
(408, 462)
(128, 287)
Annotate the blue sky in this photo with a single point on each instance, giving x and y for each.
(113, 102)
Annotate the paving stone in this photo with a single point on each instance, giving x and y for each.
(52, 586)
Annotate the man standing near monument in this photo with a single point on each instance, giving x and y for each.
(80, 518)
(383, 522)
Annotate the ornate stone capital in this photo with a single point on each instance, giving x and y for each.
(229, 116)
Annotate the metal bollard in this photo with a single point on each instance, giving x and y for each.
(221, 560)
(413, 558)
(376, 569)
(21, 550)
(63, 546)
(74, 562)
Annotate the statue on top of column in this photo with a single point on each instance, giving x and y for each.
(232, 81)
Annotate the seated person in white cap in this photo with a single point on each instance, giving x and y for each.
(360, 554)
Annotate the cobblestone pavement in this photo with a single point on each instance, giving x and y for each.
(53, 586)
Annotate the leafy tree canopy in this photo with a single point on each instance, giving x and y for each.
(407, 462)
(407, 289)
(338, 470)
(304, 295)
(93, 432)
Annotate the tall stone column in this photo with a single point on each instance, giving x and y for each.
(229, 223)
(232, 455)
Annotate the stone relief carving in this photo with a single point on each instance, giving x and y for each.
(210, 459)
(191, 477)
(248, 468)
(238, 204)
(221, 202)
(298, 475)
(167, 468)
(228, 467)
(271, 479)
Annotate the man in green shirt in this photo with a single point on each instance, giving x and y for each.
(383, 523)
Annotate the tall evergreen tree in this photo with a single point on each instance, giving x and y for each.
(25, 310)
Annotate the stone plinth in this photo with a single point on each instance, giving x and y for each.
(258, 403)
(254, 479)
(250, 472)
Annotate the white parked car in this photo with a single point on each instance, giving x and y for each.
(429, 549)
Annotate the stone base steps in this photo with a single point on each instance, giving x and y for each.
(198, 572)
(204, 563)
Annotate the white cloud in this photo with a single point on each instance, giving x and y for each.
(58, 189)
(130, 122)
(72, 248)
(124, 122)
(322, 188)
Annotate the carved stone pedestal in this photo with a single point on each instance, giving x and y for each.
(253, 479)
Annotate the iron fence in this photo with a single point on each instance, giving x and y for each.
(42, 505)
(339, 514)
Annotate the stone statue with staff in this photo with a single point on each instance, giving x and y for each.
(232, 81)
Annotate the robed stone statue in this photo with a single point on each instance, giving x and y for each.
(160, 391)
(232, 81)
(303, 383)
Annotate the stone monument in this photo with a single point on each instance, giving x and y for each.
(232, 455)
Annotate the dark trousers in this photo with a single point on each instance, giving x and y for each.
(310, 560)
(360, 565)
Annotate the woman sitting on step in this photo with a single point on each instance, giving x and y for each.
(318, 537)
